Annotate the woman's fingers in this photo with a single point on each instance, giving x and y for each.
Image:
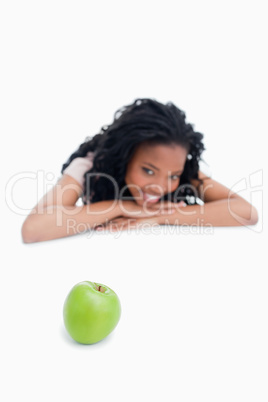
(115, 224)
(166, 204)
(132, 209)
(166, 207)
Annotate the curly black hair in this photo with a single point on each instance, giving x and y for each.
(145, 120)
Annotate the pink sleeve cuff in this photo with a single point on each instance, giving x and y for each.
(79, 166)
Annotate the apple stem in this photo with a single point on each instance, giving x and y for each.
(99, 288)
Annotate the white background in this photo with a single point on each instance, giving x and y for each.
(194, 304)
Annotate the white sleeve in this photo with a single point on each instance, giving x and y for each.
(79, 166)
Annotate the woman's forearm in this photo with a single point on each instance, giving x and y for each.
(234, 211)
(59, 221)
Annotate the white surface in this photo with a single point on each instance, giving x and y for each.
(194, 305)
(193, 324)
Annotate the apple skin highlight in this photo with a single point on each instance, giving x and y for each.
(91, 311)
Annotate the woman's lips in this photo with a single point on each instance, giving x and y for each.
(151, 198)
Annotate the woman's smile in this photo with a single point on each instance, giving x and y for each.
(151, 198)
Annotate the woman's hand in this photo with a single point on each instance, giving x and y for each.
(130, 209)
(124, 223)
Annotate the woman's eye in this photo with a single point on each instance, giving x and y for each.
(149, 171)
(175, 177)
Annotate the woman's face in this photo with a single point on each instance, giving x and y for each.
(154, 171)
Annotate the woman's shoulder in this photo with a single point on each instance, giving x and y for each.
(79, 166)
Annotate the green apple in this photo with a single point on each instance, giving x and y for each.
(91, 311)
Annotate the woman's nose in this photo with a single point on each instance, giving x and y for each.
(159, 187)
